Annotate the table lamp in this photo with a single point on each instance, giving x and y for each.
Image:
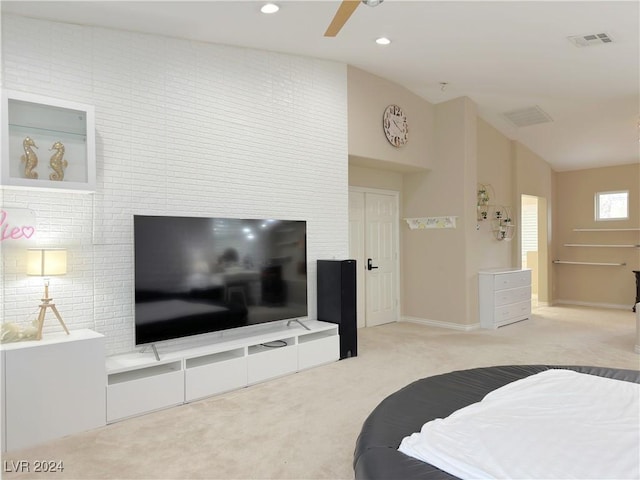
(45, 262)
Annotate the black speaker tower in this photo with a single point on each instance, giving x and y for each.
(337, 301)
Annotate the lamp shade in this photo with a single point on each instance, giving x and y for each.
(46, 261)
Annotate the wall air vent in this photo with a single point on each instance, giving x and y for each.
(590, 40)
(523, 117)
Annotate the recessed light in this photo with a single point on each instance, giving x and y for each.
(383, 41)
(269, 8)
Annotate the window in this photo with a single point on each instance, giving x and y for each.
(612, 205)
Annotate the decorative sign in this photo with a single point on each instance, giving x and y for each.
(423, 223)
(17, 224)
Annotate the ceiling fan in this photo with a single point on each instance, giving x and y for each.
(346, 8)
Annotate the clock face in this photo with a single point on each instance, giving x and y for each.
(396, 128)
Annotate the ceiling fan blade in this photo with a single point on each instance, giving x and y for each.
(346, 8)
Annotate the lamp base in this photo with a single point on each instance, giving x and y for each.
(43, 311)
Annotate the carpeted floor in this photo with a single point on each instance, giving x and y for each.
(304, 426)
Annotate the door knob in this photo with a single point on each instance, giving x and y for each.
(369, 265)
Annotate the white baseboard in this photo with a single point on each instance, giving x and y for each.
(437, 323)
(615, 306)
(535, 304)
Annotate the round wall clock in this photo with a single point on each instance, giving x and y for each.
(394, 123)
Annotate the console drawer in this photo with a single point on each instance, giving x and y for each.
(263, 364)
(318, 351)
(213, 374)
(146, 390)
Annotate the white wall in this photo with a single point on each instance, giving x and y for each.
(183, 128)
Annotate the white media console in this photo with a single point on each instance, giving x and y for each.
(56, 386)
(138, 383)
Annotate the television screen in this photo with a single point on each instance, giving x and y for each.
(196, 275)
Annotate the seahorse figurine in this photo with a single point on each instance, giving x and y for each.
(57, 163)
(30, 159)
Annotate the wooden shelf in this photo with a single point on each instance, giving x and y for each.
(601, 264)
(600, 246)
(634, 229)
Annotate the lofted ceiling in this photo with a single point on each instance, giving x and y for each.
(504, 55)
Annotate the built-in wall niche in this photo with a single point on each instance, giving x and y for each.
(47, 143)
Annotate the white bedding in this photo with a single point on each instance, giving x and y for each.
(553, 425)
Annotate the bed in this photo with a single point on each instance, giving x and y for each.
(407, 410)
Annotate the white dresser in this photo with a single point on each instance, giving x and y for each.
(504, 296)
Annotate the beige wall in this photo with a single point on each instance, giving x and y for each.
(532, 175)
(368, 96)
(495, 168)
(435, 265)
(598, 285)
(374, 178)
(457, 151)
(439, 267)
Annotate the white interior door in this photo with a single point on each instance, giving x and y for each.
(356, 250)
(373, 219)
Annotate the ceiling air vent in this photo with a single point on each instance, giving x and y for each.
(524, 117)
(590, 40)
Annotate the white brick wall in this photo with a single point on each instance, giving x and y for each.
(182, 128)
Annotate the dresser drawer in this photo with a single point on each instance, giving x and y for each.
(512, 295)
(512, 280)
(512, 313)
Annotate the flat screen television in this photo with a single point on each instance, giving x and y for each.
(196, 275)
